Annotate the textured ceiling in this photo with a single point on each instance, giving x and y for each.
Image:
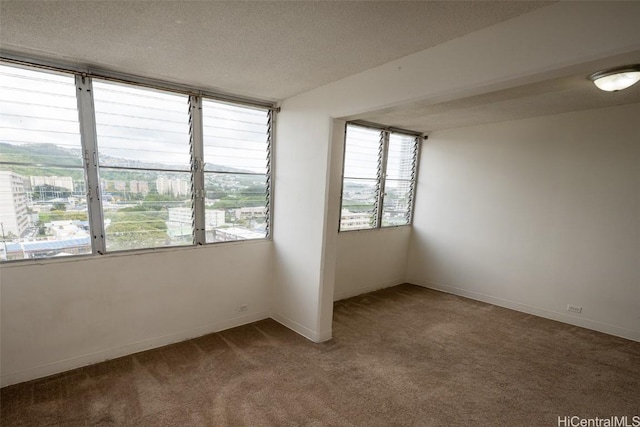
(573, 92)
(268, 50)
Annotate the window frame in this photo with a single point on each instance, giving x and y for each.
(89, 144)
(383, 156)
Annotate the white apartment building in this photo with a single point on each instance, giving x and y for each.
(139, 187)
(177, 187)
(250, 213)
(354, 220)
(180, 220)
(13, 203)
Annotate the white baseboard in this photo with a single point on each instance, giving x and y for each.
(302, 330)
(537, 311)
(112, 353)
(365, 289)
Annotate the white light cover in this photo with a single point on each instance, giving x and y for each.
(619, 81)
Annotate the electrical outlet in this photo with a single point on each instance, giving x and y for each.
(574, 308)
(243, 307)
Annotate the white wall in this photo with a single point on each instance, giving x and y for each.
(536, 214)
(536, 46)
(301, 161)
(61, 314)
(367, 260)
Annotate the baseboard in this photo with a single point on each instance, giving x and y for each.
(302, 330)
(537, 311)
(101, 356)
(365, 289)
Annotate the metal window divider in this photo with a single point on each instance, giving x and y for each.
(271, 117)
(414, 177)
(382, 175)
(88, 138)
(197, 170)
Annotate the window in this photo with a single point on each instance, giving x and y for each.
(378, 178)
(236, 171)
(89, 165)
(145, 166)
(43, 206)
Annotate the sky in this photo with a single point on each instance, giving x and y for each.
(362, 154)
(135, 123)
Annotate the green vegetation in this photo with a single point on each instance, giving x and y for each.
(61, 215)
(44, 154)
(140, 226)
(131, 230)
(249, 197)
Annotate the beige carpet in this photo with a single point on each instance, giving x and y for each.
(400, 357)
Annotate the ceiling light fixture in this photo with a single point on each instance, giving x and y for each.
(616, 79)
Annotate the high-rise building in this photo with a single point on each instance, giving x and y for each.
(163, 185)
(13, 204)
(176, 187)
(180, 187)
(213, 217)
(355, 220)
(139, 187)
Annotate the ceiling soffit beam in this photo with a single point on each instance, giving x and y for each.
(533, 47)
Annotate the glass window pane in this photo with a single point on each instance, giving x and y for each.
(236, 155)
(143, 135)
(358, 204)
(43, 208)
(141, 128)
(362, 152)
(401, 156)
(235, 207)
(397, 202)
(399, 176)
(235, 138)
(146, 209)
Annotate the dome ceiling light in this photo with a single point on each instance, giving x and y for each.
(615, 79)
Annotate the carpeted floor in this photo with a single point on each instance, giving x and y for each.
(401, 356)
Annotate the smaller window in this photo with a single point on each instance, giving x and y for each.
(236, 172)
(378, 178)
(399, 179)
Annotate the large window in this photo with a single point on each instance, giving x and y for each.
(378, 178)
(43, 206)
(93, 166)
(145, 166)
